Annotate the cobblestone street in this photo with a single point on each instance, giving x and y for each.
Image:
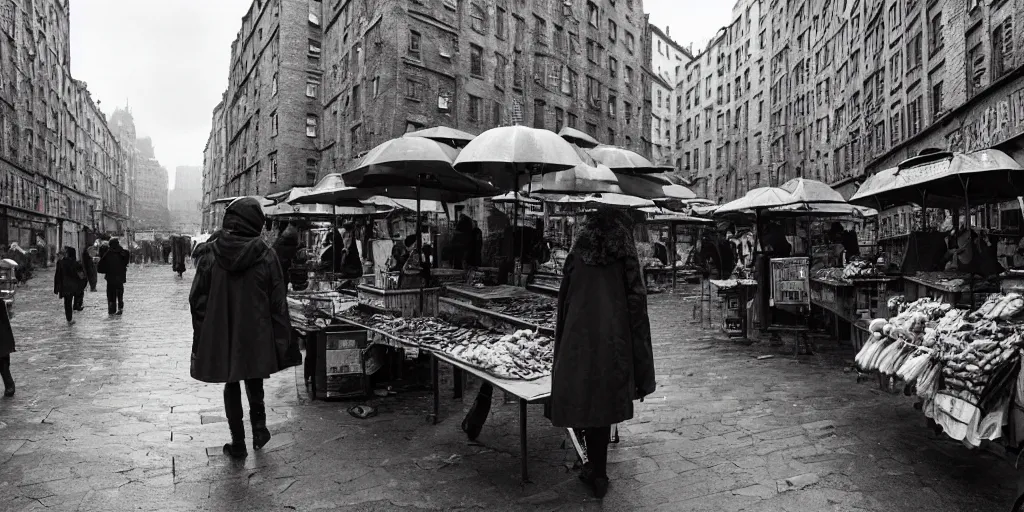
(107, 418)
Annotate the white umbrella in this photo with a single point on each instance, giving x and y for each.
(505, 156)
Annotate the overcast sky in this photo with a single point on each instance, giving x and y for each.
(168, 59)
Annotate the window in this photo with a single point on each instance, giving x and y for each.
(312, 86)
(613, 105)
(571, 83)
(936, 100)
(659, 98)
(593, 13)
(573, 120)
(496, 114)
(696, 159)
(475, 106)
(310, 169)
(500, 63)
(613, 66)
(520, 35)
(357, 101)
(611, 136)
(613, 31)
(914, 57)
(314, 48)
(896, 127)
(593, 91)
(355, 140)
(478, 21)
(476, 61)
(414, 44)
(1002, 48)
(558, 39)
(540, 31)
(273, 124)
(412, 90)
(273, 167)
(500, 28)
(937, 40)
(559, 119)
(593, 53)
(630, 42)
(376, 86)
(629, 75)
(311, 125)
(538, 114)
(627, 109)
(517, 72)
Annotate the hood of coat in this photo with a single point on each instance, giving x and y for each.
(605, 238)
(115, 245)
(71, 254)
(239, 245)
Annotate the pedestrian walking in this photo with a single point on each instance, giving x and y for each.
(603, 357)
(6, 349)
(69, 282)
(114, 266)
(90, 266)
(286, 245)
(241, 328)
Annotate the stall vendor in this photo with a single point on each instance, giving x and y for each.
(847, 239)
(774, 243)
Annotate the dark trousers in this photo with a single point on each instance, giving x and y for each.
(233, 399)
(115, 297)
(71, 303)
(5, 371)
(597, 440)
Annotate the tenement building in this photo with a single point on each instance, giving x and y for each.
(394, 66)
(122, 124)
(856, 87)
(151, 211)
(723, 122)
(214, 175)
(271, 109)
(62, 174)
(667, 65)
(184, 201)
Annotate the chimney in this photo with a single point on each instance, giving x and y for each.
(667, 28)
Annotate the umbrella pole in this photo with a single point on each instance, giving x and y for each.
(424, 269)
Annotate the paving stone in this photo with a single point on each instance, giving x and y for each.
(91, 429)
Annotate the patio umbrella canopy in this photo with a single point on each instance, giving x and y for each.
(609, 200)
(821, 210)
(414, 162)
(945, 180)
(444, 134)
(654, 188)
(227, 200)
(623, 160)
(508, 155)
(578, 138)
(581, 179)
(761, 198)
(333, 190)
(812, 192)
(513, 197)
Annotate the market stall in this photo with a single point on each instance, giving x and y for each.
(964, 365)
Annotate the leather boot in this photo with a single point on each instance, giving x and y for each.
(257, 413)
(233, 408)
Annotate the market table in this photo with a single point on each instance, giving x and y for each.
(527, 392)
(945, 286)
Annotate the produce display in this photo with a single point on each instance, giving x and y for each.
(955, 281)
(938, 349)
(860, 268)
(833, 274)
(522, 355)
(536, 309)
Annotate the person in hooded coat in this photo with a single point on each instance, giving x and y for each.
(90, 265)
(603, 359)
(114, 265)
(6, 349)
(69, 283)
(240, 322)
(286, 245)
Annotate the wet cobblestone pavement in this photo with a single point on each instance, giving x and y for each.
(106, 418)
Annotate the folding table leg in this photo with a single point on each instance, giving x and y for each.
(435, 387)
(522, 440)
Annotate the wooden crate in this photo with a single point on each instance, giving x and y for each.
(404, 302)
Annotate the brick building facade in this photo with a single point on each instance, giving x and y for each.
(214, 175)
(62, 172)
(271, 109)
(667, 65)
(151, 211)
(404, 65)
(851, 88)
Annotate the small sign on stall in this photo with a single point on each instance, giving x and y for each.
(790, 281)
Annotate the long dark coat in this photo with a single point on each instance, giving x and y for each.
(66, 279)
(603, 355)
(6, 333)
(114, 263)
(241, 327)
